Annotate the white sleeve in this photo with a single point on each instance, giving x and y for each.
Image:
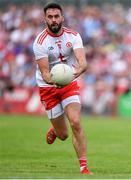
(77, 42)
(40, 51)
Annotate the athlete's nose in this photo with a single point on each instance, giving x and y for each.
(54, 20)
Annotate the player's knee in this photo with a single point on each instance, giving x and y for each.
(75, 124)
(63, 136)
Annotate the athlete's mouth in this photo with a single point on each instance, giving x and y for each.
(54, 25)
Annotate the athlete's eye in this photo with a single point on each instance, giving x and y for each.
(57, 16)
(50, 17)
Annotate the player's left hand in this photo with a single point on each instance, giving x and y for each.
(77, 72)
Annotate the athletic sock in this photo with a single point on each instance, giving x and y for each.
(83, 163)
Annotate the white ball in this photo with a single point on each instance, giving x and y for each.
(61, 74)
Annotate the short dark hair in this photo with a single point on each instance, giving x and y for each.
(52, 6)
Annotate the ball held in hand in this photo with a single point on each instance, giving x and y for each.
(61, 74)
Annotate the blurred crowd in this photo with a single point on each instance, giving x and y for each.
(106, 33)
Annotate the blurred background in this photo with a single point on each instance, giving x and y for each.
(105, 27)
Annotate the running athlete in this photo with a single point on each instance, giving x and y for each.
(58, 44)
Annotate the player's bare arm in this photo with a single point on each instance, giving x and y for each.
(81, 60)
(44, 68)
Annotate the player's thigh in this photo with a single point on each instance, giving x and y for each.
(73, 112)
(72, 108)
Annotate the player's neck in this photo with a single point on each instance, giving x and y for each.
(55, 34)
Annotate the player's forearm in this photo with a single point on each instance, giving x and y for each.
(81, 60)
(82, 67)
(46, 77)
(43, 65)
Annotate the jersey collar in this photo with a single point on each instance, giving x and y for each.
(53, 35)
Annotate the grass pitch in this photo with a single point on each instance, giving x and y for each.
(24, 153)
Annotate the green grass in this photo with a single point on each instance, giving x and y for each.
(24, 153)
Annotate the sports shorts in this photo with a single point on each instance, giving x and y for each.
(56, 99)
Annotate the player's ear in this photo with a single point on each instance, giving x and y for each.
(44, 19)
(63, 18)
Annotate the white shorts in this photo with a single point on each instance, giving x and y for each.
(59, 108)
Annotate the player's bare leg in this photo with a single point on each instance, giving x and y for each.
(59, 129)
(79, 140)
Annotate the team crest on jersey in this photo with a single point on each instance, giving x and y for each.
(68, 44)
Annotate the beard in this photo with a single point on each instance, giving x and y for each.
(55, 28)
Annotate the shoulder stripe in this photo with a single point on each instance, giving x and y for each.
(42, 35)
(42, 38)
(70, 31)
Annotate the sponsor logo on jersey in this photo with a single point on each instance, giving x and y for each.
(50, 48)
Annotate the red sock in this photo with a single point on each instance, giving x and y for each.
(83, 163)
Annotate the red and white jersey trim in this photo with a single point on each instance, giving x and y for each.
(42, 37)
(70, 31)
(44, 34)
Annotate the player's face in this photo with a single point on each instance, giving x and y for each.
(54, 20)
